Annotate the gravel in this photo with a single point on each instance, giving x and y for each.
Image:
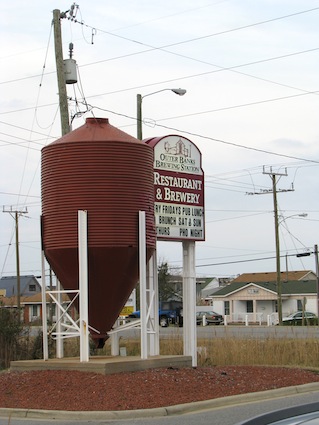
(84, 391)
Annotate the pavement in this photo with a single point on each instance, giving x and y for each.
(179, 409)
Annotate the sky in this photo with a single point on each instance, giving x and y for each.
(251, 107)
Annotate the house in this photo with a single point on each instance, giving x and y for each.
(272, 276)
(204, 286)
(252, 297)
(30, 298)
(29, 285)
(32, 307)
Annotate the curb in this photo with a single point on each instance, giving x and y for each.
(179, 409)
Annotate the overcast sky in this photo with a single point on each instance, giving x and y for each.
(251, 73)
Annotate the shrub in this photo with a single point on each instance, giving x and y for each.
(10, 331)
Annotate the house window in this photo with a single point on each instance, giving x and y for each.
(249, 306)
(34, 311)
(32, 288)
(299, 305)
(226, 308)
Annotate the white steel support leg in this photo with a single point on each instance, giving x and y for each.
(152, 279)
(59, 339)
(143, 302)
(189, 301)
(44, 312)
(83, 286)
(115, 343)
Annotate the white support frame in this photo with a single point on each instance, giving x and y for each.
(66, 326)
(189, 301)
(148, 322)
(59, 318)
(83, 286)
(143, 287)
(153, 302)
(44, 310)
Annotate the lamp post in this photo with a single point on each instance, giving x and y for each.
(278, 274)
(139, 98)
(306, 254)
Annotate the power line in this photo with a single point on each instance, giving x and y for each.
(210, 138)
(242, 261)
(201, 37)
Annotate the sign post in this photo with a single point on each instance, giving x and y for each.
(179, 214)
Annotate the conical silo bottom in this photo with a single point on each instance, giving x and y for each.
(113, 274)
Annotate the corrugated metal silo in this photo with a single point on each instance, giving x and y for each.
(109, 173)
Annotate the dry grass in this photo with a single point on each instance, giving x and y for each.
(277, 352)
(227, 350)
(235, 351)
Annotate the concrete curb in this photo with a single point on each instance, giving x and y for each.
(178, 409)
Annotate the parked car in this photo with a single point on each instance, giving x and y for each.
(212, 318)
(166, 317)
(296, 318)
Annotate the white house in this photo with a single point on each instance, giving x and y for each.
(257, 299)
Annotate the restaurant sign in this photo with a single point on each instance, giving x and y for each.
(179, 189)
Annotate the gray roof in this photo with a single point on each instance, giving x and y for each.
(272, 276)
(295, 287)
(9, 283)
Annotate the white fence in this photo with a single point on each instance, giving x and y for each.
(252, 318)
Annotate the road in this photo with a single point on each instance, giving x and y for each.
(219, 416)
(237, 332)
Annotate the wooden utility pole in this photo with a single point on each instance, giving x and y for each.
(63, 99)
(273, 177)
(274, 191)
(278, 277)
(16, 214)
(317, 274)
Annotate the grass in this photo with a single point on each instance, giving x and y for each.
(272, 351)
(236, 351)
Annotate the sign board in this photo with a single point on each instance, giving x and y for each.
(179, 189)
(130, 305)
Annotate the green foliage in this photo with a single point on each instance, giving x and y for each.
(165, 288)
(10, 331)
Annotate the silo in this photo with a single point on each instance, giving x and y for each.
(109, 173)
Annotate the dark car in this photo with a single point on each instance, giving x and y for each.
(296, 318)
(211, 318)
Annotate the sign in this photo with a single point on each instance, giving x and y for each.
(253, 291)
(130, 305)
(126, 310)
(179, 189)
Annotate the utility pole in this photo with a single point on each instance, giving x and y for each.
(63, 100)
(273, 175)
(16, 214)
(278, 277)
(317, 274)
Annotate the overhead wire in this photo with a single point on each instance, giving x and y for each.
(267, 151)
(22, 180)
(212, 138)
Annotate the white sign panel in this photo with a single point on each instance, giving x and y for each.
(179, 189)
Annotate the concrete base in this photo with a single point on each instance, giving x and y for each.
(103, 365)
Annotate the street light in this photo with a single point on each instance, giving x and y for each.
(278, 279)
(303, 215)
(139, 97)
